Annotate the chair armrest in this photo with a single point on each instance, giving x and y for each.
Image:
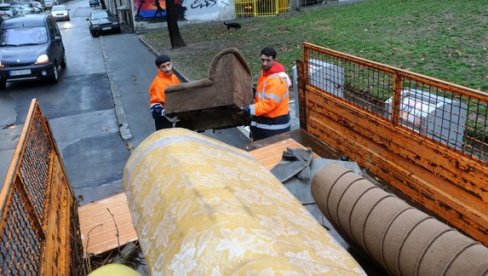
(189, 86)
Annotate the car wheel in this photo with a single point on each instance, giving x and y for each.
(63, 62)
(3, 84)
(55, 75)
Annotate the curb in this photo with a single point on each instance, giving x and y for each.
(119, 109)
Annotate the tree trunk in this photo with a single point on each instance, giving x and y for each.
(102, 2)
(172, 20)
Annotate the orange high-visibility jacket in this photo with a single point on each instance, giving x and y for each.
(159, 84)
(272, 96)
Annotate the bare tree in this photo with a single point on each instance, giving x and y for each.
(172, 20)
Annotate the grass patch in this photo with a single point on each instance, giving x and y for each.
(445, 39)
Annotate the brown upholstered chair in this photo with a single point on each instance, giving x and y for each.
(214, 102)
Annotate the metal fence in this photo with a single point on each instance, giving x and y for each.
(426, 137)
(446, 113)
(251, 8)
(39, 231)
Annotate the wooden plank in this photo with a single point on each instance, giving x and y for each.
(272, 154)
(97, 227)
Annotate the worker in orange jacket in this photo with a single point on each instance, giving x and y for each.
(163, 79)
(270, 111)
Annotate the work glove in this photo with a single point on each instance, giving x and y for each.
(157, 111)
(172, 120)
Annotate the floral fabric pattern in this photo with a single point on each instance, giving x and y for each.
(201, 207)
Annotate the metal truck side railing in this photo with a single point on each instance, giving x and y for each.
(425, 137)
(39, 231)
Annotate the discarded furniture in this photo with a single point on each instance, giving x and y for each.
(214, 102)
(200, 206)
(400, 238)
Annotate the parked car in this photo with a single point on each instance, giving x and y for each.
(48, 4)
(6, 11)
(31, 47)
(60, 12)
(23, 9)
(102, 21)
(36, 6)
(94, 3)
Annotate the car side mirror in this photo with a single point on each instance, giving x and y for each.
(57, 38)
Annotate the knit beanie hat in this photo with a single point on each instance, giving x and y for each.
(162, 59)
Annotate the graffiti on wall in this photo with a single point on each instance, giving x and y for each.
(208, 9)
(200, 4)
(155, 10)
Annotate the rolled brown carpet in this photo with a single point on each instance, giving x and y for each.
(400, 238)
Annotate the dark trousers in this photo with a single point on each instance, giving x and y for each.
(259, 133)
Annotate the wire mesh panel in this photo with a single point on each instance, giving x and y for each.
(34, 168)
(426, 137)
(442, 114)
(452, 119)
(38, 208)
(357, 83)
(283, 5)
(250, 8)
(245, 8)
(20, 254)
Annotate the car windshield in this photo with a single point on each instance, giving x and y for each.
(59, 8)
(99, 15)
(23, 36)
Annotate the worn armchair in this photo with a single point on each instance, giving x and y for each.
(214, 102)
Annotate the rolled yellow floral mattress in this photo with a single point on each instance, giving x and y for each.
(202, 207)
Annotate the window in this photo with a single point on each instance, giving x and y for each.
(99, 15)
(59, 8)
(23, 36)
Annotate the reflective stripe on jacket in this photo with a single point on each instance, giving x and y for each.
(272, 96)
(277, 123)
(159, 84)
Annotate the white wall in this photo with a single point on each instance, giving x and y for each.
(196, 11)
(208, 10)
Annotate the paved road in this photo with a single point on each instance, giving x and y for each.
(80, 110)
(106, 77)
